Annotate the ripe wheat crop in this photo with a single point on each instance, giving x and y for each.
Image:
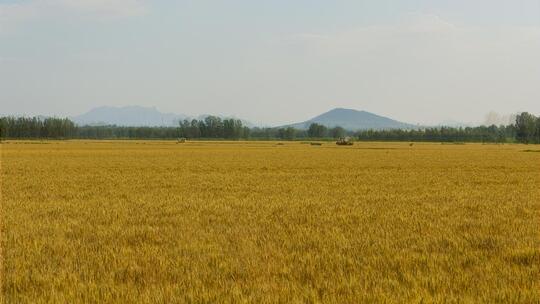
(258, 222)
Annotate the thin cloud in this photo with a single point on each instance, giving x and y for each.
(122, 8)
(424, 33)
(12, 14)
(18, 13)
(426, 23)
(421, 60)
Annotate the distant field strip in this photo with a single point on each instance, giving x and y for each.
(262, 222)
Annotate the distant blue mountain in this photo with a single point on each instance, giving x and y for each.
(127, 116)
(135, 116)
(353, 120)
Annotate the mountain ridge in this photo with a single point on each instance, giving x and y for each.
(136, 116)
(349, 119)
(353, 120)
(127, 116)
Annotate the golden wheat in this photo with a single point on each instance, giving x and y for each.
(161, 222)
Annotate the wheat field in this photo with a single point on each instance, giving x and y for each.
(268, 222)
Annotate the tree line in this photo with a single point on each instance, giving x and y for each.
(494, 134)
(213, 127)
(314, 131)
(526, 129)
(35, 127)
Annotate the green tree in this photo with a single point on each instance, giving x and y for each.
(316, 130)
(526, 125)
(337, 132)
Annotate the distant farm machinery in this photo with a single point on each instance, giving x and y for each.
(345, 141)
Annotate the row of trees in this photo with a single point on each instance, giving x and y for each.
(320, 131)
(25, 127)
(213, 127)
(492, 133)
(290, 133)
(63, 128)
(116, 132)
(526, 129)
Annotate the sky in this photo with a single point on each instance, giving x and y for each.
(272, 62)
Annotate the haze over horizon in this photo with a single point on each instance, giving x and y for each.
(276, 62)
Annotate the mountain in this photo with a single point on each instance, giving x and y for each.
(353, 120)
(137, 116)
(127, 116)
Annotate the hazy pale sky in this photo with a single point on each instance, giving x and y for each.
(274, 61)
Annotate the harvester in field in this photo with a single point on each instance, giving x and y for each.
(345, 141)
